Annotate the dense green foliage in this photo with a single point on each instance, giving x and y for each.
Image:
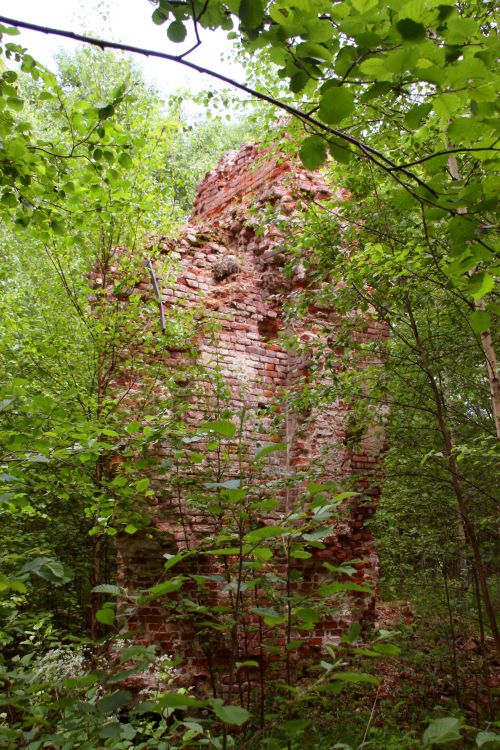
(402, 96)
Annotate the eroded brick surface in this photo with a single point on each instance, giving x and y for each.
(234, 276)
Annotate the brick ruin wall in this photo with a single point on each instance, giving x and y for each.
(235, 275)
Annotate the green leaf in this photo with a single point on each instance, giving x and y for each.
(251, 13)
(14, 103)
(172, 560)
(223, 551)
(10, 30)
(308, 614)
(262, 553)
(176, 32)
(293, 727)
(374, 67)
(112, 702)
(344, 569)
(415, 116)
(9, 199)
(167, 587)
(480, 321)
(344, 496)
(335, 105)
(110, 730)
(340, 150)
(178, 700)
(89, 678)
(300, 554)
(57, 226)
(231, 714)
(411, 30)
(355, 677)
(127, 732)
(222, 427)
(386, 649)
(442, 731)
(267, 449)
(298, 81)
(353, 632)
(125, 160)
(105, 615)
(49, 569)
(466, 128)
(460, 30)
(17, 585)
(445, 105)
(313, 153)
(105, 113)
(488, 738)
(269, 615)
(115, 729)
(229, 484)
(315, 536)
(107, 588)
(159, 16)
(480, 284)
(265, 532)
(138, 653)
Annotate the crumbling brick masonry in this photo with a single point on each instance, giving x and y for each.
(232, 270)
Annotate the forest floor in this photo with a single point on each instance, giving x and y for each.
(435, 675)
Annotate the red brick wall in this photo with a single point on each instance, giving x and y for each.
(235, 276)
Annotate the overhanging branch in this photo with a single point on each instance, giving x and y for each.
(366, 151)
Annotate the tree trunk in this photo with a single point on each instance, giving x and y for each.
(487, 344)
(455, 477)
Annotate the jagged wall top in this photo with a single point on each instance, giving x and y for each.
(250, 170)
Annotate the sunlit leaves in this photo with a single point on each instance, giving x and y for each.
(480, 284)
(335, 105)
(445, 105)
